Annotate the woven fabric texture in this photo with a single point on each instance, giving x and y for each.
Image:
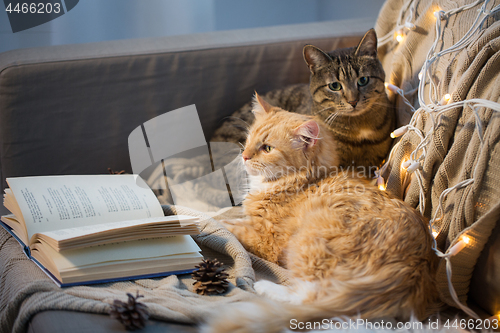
(455, 152)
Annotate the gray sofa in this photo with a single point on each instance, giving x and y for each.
(69, 109)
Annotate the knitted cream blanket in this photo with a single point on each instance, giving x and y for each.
(455, 152)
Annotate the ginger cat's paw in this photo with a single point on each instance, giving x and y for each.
(295, 294)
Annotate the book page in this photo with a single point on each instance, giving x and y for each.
(51, 203)
(18, 229)
(70, 233)
(139, 249)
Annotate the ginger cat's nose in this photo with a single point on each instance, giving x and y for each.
(245, 157)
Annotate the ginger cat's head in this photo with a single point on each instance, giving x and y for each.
(281, 142)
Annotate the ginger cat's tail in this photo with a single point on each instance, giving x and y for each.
(362, 297)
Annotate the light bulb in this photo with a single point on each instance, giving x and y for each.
(391, 87)
(399, 36)
(420, 76)
(434, 233)
(464, 241)
(438, 13)
(413, 166)
(381, 183)
(410, 26)
(406, 164)
(446, 99)
(398, 132)
(494, 317)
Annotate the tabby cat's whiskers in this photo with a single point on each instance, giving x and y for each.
(323, 110)
(331, 118)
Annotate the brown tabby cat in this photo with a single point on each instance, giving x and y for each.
(351, 248)
(347, 92)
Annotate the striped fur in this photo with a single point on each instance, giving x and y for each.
(362, 132)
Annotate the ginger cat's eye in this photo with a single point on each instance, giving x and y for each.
(335, 86)
(267, 148)
(363, 81)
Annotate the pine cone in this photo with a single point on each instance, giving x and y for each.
(133, 315)
(210, 278)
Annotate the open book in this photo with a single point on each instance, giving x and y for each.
(98, 228)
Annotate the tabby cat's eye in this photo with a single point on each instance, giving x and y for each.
(335, 86)
(267, 148)
(363, 81)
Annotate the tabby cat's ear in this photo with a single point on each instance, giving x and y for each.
(260, 106)
(308, 133)
(368, 45)
(315, 58)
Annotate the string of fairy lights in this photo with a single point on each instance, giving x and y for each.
(435, 107)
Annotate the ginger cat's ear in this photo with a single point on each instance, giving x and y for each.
(260, 106)
(308, 133)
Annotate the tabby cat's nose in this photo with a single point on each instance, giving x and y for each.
(353, 103)
(245, 157)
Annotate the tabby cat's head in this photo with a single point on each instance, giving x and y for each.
(346, 81)
(281, 142)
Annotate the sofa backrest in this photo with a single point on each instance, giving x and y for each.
(69, 109)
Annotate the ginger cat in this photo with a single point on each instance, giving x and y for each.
(351, 248)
